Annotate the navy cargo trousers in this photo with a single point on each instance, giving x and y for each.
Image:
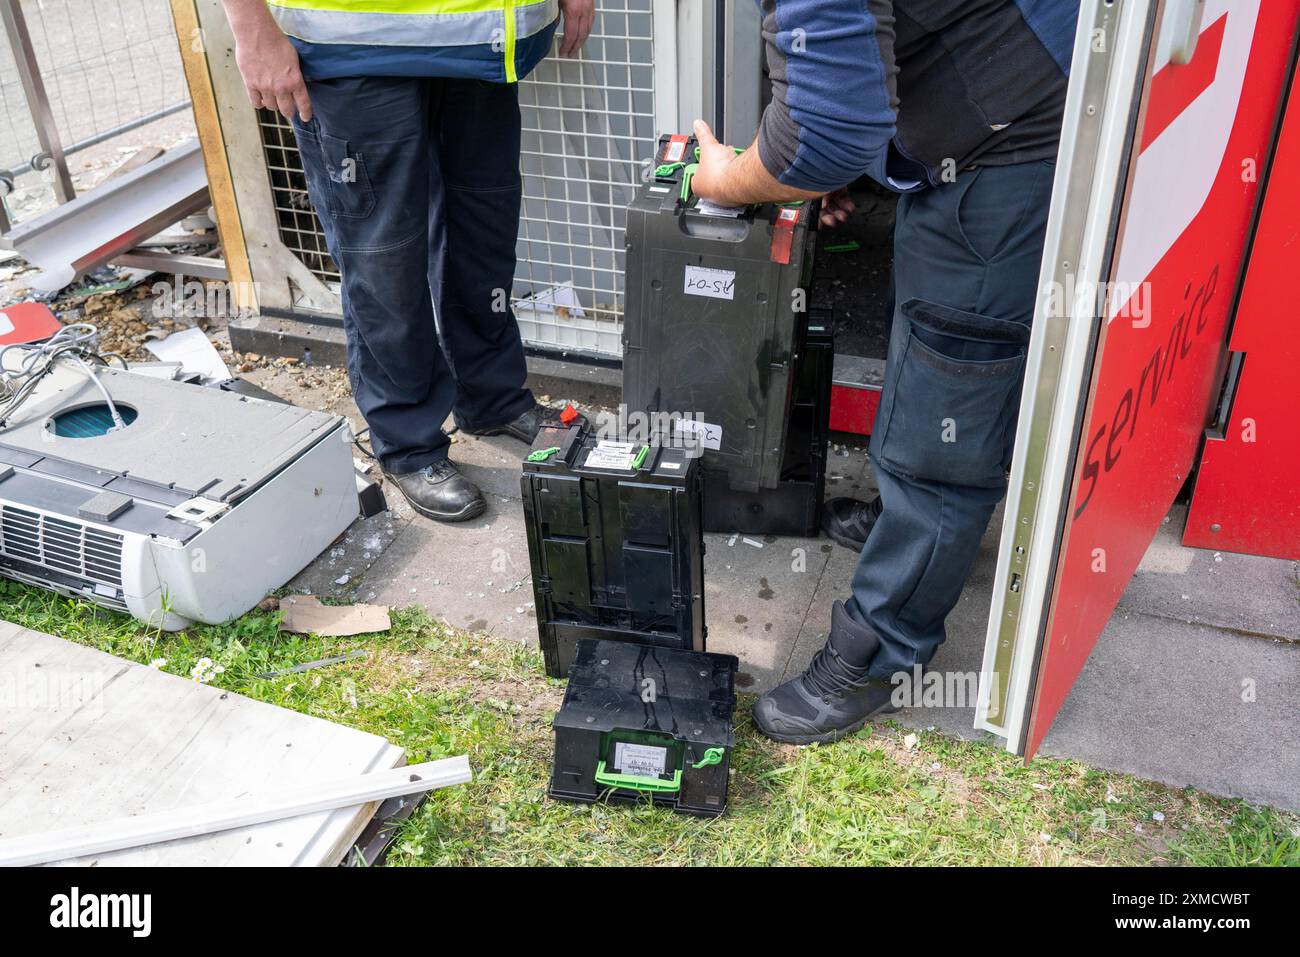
(966, 268)
(416, 183)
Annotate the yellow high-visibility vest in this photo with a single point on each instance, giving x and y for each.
(499, 40)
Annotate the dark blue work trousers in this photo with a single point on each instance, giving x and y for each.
(966, 267)
(416, 183)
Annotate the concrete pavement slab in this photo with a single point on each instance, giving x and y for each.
(473, 575)
(1244, 594)
(1188, 705)
(756, 599)
(340, 570)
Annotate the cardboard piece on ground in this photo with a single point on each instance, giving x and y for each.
(305, 615)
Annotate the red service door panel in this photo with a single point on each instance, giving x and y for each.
(1248, 483)
(1186, 221)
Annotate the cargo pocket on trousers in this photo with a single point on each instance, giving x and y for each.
(350, 192)
(953, 396)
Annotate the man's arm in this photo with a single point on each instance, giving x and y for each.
(738, 179)
(267, 60)
(833, 109)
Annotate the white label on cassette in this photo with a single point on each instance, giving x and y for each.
(612, 455)
(714, 283)
(643, 760)
(708, 435)
(707, 207)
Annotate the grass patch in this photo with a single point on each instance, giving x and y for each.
(877, 798)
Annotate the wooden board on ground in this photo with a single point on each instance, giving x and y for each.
(87, 737)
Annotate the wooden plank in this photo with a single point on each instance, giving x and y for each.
(272, 806)
(221, 188)
(87, 737)
(282, 280)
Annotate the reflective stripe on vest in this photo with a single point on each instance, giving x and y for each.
(428, 23)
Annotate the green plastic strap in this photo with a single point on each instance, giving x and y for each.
(667, 169)
(738, 150)
(687, 173)
(690, 171)
(612, 779)
(541, 455)
(850, 247)
(711, 756)
(640, 457)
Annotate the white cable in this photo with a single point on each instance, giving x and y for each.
(108, 399)
(75, 341)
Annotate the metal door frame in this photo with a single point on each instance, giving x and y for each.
(1102, 115)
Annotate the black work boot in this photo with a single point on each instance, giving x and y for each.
(833, 697)
(441, 493)
(849, 521)
(524, 427)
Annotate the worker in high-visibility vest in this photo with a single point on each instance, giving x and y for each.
(957, 106)
(407, 119)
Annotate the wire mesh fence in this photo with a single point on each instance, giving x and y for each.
(300, 230)
(588, 131)
(107, 66)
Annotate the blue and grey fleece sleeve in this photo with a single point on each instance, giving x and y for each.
(834, 98)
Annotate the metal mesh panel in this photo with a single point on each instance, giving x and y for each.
(300, 230)
(588, 128)
(588, 125)
(107, 68)
(105, 62)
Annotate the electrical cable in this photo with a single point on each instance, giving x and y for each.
(76, 343)
(356, 440)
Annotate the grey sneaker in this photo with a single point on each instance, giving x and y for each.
(441, 493)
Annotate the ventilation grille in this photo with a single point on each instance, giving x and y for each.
(62, 546)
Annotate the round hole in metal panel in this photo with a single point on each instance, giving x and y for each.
(89, 421)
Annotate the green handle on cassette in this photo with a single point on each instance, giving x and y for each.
(640, 457)
(541, 455)
(612, 779)
(738, 149)
(711, 756)
(689, 172)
